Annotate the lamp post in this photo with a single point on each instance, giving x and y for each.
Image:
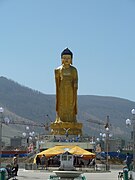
(107, 148)
(106, 137)
(1, 118)
(128, 123)
(28, 135)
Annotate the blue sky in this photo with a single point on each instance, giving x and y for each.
(101, 35)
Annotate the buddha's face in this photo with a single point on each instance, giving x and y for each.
(66, 60)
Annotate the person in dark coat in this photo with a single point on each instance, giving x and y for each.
(128, 161)
(44, 161)
(38, 161)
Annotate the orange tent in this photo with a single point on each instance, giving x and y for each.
(75, 150)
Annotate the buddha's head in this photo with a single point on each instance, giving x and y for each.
(66, 57)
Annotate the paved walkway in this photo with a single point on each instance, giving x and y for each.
(44, 175)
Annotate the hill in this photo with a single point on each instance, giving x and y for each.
(32, 105)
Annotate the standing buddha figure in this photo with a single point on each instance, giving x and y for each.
(66, 78)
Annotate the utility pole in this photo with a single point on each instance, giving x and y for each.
(1, 118)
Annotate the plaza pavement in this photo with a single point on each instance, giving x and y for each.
(45, 174)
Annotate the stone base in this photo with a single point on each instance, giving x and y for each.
(61, 127)
(68, 174)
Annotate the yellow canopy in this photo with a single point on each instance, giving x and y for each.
(75, 150)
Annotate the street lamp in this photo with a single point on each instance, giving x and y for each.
(28, 135)
(106, 137)
(1, 118)
(129, 123)
(107, 147)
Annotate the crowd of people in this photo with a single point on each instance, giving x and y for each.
(66, 139)
(44, 162)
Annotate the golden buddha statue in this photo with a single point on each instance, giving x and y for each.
(66, 78)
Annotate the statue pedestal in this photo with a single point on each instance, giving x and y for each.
(59, 128)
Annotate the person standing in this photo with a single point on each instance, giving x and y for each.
(44, 161)
(38, 161)
(128, 161)
(15, 165)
